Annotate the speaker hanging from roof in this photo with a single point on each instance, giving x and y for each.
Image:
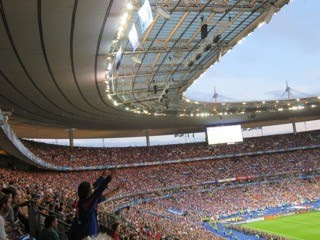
(216, 39)
(204, 31)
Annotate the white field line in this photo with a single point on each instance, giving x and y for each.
(275, 233)
(301, 222)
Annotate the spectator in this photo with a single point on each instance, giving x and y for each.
(85, 222)
(115, 231)
(5, 206)
(49, 232)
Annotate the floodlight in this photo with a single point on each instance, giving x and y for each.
(190, 63)
(216, 39)
(269, 14)
(207, 48)
(163, 13)
(198, 56)
(129, 6)
(219, 55)
(136, 60)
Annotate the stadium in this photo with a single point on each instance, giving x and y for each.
(142, 119)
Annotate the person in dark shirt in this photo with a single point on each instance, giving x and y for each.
(85, 222)
(49, 232)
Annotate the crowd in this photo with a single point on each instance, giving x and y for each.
(84, 156)
(44, 192)
(218, 203)
(215, 204)
(153, 218)
(143, 179)
(45, 188)
(58, 192)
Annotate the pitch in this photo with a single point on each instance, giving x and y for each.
(297, 227)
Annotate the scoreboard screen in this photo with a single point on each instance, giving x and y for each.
(224, 134)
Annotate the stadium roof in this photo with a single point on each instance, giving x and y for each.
(58, 66)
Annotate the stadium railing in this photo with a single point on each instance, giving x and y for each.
(37, 214)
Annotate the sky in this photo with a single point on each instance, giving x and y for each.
(286, 49)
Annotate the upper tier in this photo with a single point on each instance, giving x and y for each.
(86, 156)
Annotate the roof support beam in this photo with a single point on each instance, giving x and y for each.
(146, 74)
(156, 60)
(185, 15)
(140, 100)
(145, 37)
(169, 37)
(143, 90)
(252, 2)
(214, 7)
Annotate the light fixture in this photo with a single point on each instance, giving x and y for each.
(198, 56)
(129, 6)
(269, 14)
(136, 60)
(125, 15)
(219, 55)
(207, 48)
(163, 13)
(190, 64)
(123, 21)
(109, 66)
(261, 24)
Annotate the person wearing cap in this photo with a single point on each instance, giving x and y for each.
(5, 206)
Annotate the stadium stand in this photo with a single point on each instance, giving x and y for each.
(197, 188)
(108, 69)
(83, 156)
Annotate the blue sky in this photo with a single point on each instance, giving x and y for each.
(286, 49)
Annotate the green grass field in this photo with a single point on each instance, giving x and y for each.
(301, 226)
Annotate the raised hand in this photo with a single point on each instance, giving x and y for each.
(109, 172)
(106, 173)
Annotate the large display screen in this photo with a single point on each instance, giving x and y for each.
(225, 134)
